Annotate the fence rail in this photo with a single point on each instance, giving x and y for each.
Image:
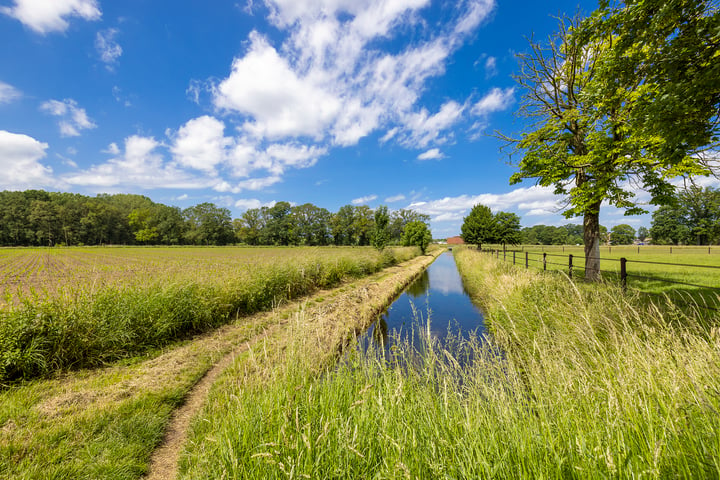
(572, 263)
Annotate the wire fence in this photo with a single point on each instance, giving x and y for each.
(575, 264)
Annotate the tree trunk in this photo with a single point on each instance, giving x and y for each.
(591, 237)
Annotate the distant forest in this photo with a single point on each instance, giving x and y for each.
(40, 218)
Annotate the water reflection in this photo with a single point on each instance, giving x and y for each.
(437, 302)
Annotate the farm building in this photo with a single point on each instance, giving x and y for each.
(455, 241)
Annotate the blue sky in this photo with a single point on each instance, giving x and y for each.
(245, 103)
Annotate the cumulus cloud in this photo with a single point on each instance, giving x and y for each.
(44, 16)
(526, 199)
(20, 157)
(327, 82)
(432, 154)
(424, 128)
(107, 47)
(280, 103)
(495, 101)
(73, 119)
(253, 184)
(201, 144)
(363, 200)
(139, 166)
(8, 93)
(250, 203)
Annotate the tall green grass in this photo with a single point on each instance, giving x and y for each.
(577, 381)
(88, 327)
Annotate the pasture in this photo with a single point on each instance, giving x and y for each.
(689, 274)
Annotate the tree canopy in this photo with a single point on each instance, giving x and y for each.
(605, 95)
(417, 233)
(482, 226)
(622, 234)
(39, 218)
(693, 218)
(479, 226)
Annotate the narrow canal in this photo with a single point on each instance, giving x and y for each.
(437, 296)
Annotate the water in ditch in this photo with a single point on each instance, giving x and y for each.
(436, 304)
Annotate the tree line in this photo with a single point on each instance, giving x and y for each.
(692, 217)
(40, 218)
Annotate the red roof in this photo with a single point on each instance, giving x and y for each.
(455, 241)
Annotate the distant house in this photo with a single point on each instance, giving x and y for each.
(455, 241)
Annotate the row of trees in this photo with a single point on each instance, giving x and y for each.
(307, 224)
(40, 218)
(691, 218)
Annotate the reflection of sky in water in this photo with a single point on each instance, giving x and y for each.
(437, 293)
(446, 279)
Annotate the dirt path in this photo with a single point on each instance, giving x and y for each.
(363, 300)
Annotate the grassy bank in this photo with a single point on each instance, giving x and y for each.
(106, 423)
(82, 325)
(589, 384)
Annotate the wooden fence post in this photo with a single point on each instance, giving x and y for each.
(526, 259)
(570, 266)
(623, 273)
(513, 257)
(544, 261)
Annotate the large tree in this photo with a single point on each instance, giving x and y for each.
(589, 92)
(479, 226)
(692, 218)
(507, 228)
(381, 234)
(417, 233)
(622, 234)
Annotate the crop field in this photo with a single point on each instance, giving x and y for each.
(41, 273)
(76, 307)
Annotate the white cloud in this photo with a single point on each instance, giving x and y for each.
(328, 82)
(72, 117)
(140, 166)
(495, 101)
(107, 47)
(395, 198)
(201, 144)
(424, 128)
(526, 198)
(281, 103)
(112, 149)
(490, 67)
(362, 200)
(20, 157)
(432, 154)
(8, 93)
(250, 203)
(45, 16)
(478, 11)
(253, 184)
